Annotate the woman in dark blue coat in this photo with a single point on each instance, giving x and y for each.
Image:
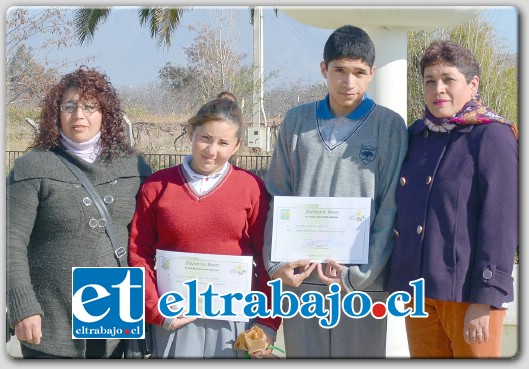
(457, 217)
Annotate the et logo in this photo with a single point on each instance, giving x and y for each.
(108, 303)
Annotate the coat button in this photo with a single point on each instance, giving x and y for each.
(402, 181)
(92, 222)
(419, 229)
(87, 201)
(428, 180)
(425, 134)
(108, 199)
(487, 274)
(396, 233)
(114, 182)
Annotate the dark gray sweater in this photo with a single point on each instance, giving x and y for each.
(50, 229)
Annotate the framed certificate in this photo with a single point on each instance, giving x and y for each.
(222, 274)
(318, 228)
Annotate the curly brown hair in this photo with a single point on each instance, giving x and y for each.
(91, 85)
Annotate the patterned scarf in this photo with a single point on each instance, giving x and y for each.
(474, 112)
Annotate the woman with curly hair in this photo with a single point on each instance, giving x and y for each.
(53, 223)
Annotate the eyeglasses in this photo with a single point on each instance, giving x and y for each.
(88, 108)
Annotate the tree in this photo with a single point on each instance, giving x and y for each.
(498, 82)
(214, 61)
(280, 98)
(29, 70)
(179, 83)
(212, 64)
(25, 23)
(176, 79)
(26, 79)
(162, 22)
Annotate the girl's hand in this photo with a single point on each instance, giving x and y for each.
(289, 274)
(263, 353)
(180, 321)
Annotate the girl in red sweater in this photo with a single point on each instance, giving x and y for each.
(204, 205)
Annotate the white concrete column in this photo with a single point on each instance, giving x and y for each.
(389, 88)
(258, 66)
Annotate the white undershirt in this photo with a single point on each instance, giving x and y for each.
(201, 183)
(336, 130)
(88, 150)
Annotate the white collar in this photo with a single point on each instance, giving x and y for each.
(194, 176)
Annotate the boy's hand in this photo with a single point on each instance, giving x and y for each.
(287, 272)
(332, 273)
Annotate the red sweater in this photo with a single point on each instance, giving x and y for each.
(228, 220)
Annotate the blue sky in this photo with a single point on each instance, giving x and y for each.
(126, 52)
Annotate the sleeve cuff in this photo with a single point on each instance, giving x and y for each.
(346, 281)
(274, 268)
(167, 323)
(22, 303)
(267, 330)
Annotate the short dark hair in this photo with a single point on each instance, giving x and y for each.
(452, 54)
(349, 42)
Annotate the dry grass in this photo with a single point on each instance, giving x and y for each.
(153, 133)
(19, 135)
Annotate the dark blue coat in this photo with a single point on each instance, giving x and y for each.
(457, 214)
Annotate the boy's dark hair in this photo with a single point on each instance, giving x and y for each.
(349, 42)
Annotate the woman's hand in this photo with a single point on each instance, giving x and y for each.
(332, 273)
(29, 329)
(263, 353)
(476, 327)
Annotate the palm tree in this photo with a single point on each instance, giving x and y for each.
(162, 22)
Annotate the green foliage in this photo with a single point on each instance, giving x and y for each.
(509, 107)
(417, 43)
(161, 21)
(87, 20)
(498, 81)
